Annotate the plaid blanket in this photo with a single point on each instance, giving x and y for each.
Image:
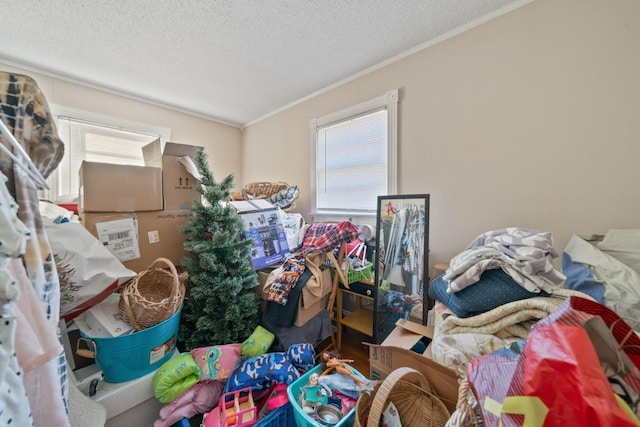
(320, 237)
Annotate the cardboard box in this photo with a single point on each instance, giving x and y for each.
(303, 314)
(104, 319)
(139, 238)
(439, 269)
(179, 173)
(106, 187)
(394, 353)
(263, 225)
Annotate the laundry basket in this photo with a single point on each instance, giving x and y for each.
(417, 403)
(153, 296)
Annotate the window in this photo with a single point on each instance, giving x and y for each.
(353, 157)
(96, 138)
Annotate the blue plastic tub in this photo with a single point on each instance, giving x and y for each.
(182, 423)
(280, 417)
(134, 355)
(304, 420)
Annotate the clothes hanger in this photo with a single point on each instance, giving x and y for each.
(29, 168)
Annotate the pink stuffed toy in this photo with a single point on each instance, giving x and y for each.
(199, 399)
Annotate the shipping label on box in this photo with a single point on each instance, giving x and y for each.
(159, 236)
(263, 226)
(120, 237)
(153, 235)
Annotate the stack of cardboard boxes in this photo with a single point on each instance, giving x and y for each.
(136, 211)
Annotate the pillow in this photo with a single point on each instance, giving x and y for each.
(174, 377)
(494, 289)
(258, 343)
(260, 372)
(216, 362)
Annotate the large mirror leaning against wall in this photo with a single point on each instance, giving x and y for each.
(402, 250)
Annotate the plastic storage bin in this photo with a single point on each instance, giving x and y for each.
(302, 419)
(281, 417)
(131, 356)
(182, 423)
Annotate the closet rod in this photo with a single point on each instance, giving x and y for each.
(30, 168)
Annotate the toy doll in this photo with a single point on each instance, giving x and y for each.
(332, 361)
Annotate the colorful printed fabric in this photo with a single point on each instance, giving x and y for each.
(282, 367)
(291, 270)
(258, 343)
(217, 362)
(321, 237)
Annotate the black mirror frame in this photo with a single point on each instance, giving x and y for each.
(382, 203)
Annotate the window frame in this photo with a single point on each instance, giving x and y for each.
(388, 101)
(100, 120)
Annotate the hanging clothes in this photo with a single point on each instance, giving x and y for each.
(404, 250)
(413, 247)
(37, 349)
(24, 110)
(13, 236)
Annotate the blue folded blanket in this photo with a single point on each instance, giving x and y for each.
(494, 289)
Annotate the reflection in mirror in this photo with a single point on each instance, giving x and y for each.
(402, 238)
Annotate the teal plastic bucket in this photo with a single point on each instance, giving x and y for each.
(134, 355)
(304, 420)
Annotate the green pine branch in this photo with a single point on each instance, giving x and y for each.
(221, 304)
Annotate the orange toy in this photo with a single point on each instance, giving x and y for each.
(236, 409)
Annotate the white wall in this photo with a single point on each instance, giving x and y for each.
(222, 143)
(528, 120)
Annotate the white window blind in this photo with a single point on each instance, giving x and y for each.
(96, 139)
(354, 157)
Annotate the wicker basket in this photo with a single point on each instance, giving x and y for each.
(416, 401)
(153, 296)
(265, 189)
(261, 190)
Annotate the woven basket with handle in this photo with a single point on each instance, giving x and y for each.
(153, 296)
(262, 190)
(265, 189)
(417, 403)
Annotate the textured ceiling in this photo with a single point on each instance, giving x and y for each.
(234, 61)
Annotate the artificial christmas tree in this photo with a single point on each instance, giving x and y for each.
(222, 303)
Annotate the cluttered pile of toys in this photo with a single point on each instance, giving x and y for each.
(242, 385)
